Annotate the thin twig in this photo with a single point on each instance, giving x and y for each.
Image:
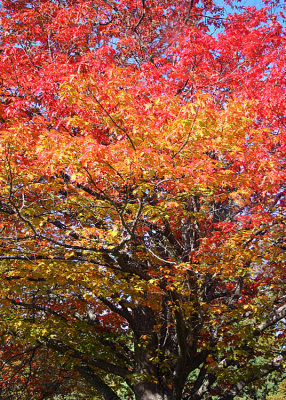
(189, 134)
(113, 120)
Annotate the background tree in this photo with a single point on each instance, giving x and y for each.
(143, 194)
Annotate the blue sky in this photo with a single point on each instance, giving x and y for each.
(249, 3)
(280, 5)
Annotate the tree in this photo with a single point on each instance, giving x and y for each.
(143, 193)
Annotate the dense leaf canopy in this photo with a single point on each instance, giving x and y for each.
(142, 198)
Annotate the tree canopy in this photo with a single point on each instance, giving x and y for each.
(142, 198)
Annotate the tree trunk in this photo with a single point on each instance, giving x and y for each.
(152, 391)
(146, 346)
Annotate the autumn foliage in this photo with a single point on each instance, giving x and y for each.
(142, 198)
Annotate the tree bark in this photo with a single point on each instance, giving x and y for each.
(98, 383)
(152, 391)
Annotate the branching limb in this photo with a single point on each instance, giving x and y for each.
(97, 382)
(106, 366)
(120, 311)
(189, 134)
(275, 317)
(274, 365)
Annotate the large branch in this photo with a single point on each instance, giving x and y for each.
(203, 385)
(36, 307)
(274, 365)
(275, 317)
(123, 312)
(103, 365)
(123, 261)
(97, 383)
